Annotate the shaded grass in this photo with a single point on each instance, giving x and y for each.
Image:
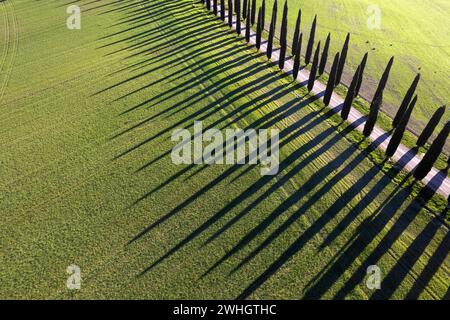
(80, 156)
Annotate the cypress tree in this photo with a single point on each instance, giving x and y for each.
(323, 60)
(377, 100)
(263, 15)
(431, 125)
(214, 6)
(283, 35)
(259, 29)
(350, 95)
(400, 130)
(222, 10)
(343, 58)
(312, 34)
(272, 30)
(238, 17)
(236, 5)
(331, 80)
(362, 66)
(230, 13)
(406, 101)
(247, 26)
(432, 154)
(208, 5)
(244, 9)
(297, 56)
(314, 67)
(253, 12)
(296, 32)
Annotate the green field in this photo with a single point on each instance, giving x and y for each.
(415, 32)
(87, 177)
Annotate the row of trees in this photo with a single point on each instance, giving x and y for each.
(318, 62)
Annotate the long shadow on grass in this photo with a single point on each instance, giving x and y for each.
(264, 180)
(368, 231)
(433, 265)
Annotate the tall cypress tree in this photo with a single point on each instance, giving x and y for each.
(350, 95)
(432, 154)
(377, 100)
(253, 12)
(263, 15)
(296, 32)
(400, 130)
(283, 35)
(238, 16)
(310, 46)
(323, 60)
(314, 67)
(259, 29)
(406, 101)
(362, 66)
(343, 58)
(244, 9)
(297, 56)
(215, 7)
(272, 30)
(247, 25)
(430, 127)
(331, 80)
(222, 10)
(208, 5)
(230, 13)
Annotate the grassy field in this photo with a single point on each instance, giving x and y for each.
(415, 32)
(87, 177)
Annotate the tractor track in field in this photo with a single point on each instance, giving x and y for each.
(11, 44)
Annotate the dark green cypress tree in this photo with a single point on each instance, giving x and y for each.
(331, 80)
(297, 57)
(238, 17)
(222, 10)
(400, 130)
(350, 95)
(283, 36)
(342, 61)
(230, 13)
(310, 45)
(314, 67)
(273, 23)
(432, 154)
(362, 66)
(247, 26)
(208, 5)
(377, 100)
(406, 101)
(215, 7)
(296, 32)
(244, 9)
(430, 127)
(253, 12)
(323, 60)
(259, 29)
(263, 15)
